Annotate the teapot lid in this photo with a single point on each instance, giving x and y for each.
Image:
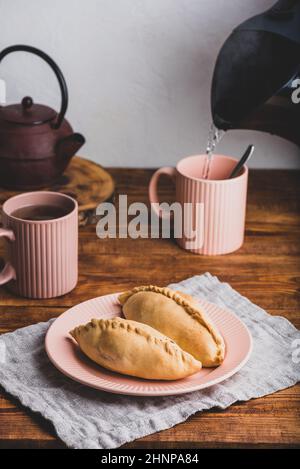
(27, 113)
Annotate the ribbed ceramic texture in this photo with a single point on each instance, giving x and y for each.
(66, 356)
(224, 208)
(44, 256)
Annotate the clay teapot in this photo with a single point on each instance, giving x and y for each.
(36, 142)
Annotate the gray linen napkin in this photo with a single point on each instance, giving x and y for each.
(87, 418)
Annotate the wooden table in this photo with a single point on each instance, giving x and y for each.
(266, 270)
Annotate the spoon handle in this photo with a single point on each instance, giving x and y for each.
(246, 156)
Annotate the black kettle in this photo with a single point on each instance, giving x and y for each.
(256, 74)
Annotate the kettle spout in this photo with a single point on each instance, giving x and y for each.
(68, 146)
(221, 123)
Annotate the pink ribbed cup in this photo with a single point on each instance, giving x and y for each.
(217, 205)
(43, 255)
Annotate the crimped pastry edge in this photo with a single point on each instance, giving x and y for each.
(191, 310)
(168, 344)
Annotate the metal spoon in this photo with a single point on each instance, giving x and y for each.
(246, 156)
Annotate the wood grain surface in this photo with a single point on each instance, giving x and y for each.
(266, 270)
(85, 181)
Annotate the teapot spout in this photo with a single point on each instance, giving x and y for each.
(68, 146)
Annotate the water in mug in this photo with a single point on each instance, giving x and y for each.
(40, 212)
(214, 137)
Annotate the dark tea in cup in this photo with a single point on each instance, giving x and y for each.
(39, 212)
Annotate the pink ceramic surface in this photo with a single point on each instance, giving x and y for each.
(42, 255)
(66, 356)
(222, 203)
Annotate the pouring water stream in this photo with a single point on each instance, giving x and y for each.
(214, 138)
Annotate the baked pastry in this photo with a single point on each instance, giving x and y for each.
(178, 316)
(134, 349)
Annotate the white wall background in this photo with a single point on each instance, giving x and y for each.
(138, 72)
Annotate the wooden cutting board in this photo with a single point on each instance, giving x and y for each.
(85, 181)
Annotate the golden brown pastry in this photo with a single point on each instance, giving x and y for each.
(178, 316)
(134, 349)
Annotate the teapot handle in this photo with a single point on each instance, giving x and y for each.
(56, 70)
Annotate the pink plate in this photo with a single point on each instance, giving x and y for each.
(67, 357)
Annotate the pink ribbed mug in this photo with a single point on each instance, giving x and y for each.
(42, 255)
(213, 209)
